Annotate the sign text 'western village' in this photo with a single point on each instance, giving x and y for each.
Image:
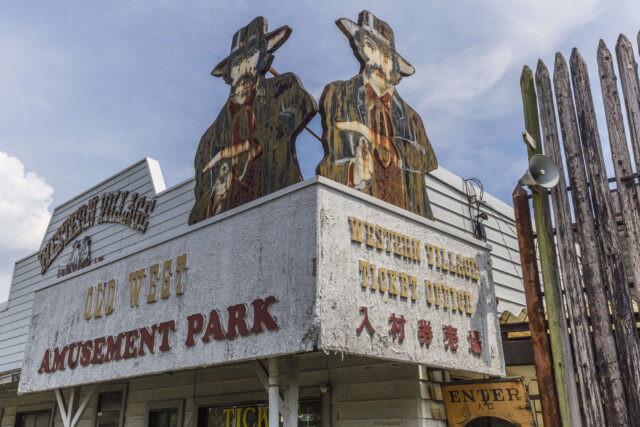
(123, 207)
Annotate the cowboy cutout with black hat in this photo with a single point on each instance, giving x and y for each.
(249, 150)
(373, 141)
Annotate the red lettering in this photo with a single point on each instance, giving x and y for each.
(237, 314)
(71, 362)
(105, 349)
(113, 348)
(213, 328)
(147, 338)
(164, 329)
(58, 359)
(98, 357)
(196, 321)
(44, 366)
(130, 344)
(261, 315)
(86, 353)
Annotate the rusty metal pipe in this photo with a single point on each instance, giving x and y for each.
(537, 324)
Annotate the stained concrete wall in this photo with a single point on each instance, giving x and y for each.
(448, 194)
(295, 245)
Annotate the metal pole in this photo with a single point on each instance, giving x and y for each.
(537, 325)
(274, 393)
(325, 390)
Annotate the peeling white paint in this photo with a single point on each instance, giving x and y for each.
(295, 246)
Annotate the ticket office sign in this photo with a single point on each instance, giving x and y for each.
(401, 289)
(256, 415)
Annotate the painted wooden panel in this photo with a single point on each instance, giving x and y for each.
(249, 150)
(373, 141)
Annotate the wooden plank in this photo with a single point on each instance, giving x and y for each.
(576, 305)
(376, 144)
(535, 309)
(627, 191)
(610, 380)
(611, 254)
(628, 69)
(518, 352)
(558, 332)
(249, 150)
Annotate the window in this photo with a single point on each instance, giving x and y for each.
(109, 409)
(163, 417)
(34, 418)
(165, 413)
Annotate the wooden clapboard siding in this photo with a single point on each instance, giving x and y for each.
(107, 240)
(450, 205)
(446, 192)
(364, 391)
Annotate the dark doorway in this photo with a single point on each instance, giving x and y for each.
(489, 422)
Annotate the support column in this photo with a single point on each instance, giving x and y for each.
(69, 419)
(325, 418)
(274, 393)
(291, 394)
(537, 324)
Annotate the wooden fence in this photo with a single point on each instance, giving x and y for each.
(596, 349)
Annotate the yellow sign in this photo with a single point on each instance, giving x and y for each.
(256, 415)
(505, 399)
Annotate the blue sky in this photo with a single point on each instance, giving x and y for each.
(88, 88)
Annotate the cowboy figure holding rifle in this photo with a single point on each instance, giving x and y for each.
(373, 141)
(249, 150)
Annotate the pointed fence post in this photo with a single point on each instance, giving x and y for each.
(628, 69)
(606, 353)
(611, 252)
(558, 332)
(535, 308)
(591, 399)
(626, 188)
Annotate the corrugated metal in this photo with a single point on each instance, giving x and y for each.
(446, 191)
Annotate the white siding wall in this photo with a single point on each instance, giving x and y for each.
(364, 392)
(449, 202)
(107, 240)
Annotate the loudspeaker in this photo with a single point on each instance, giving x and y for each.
(542, 172)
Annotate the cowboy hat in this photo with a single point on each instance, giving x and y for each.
(379, 30)
(255, 30)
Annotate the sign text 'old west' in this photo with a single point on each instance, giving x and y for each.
(241, 320)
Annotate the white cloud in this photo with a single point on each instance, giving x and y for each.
(519, 31)
(5, 283)
(24, 206)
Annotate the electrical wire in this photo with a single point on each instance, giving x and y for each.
(479, 201)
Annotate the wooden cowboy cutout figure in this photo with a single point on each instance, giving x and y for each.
(249, 150)
(373, 141)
